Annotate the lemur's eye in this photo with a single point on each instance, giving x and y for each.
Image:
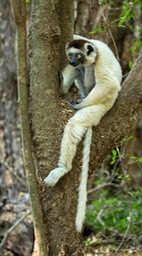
(69, 57)
(78, 56)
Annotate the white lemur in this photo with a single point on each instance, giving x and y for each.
(106, 79)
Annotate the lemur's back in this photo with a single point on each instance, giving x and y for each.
(107, 58)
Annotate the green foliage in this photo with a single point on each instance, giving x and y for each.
(113, 212)
(102, 2)
(130, 64)
(127, 19)
(127, 139)
(136, 158)
(114, 156)
(99, 28)
(137, 44)
(128, 12)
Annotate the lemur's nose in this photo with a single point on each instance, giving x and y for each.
(74, 63)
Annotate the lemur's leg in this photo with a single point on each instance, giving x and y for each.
(73, 133)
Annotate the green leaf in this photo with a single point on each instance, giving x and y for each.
(138, 159)
(114, 156)
(127, 139)
(130, 64)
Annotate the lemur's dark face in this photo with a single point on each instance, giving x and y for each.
(80, 52)
(76, 58)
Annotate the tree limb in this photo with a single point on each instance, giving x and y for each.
(121, 119)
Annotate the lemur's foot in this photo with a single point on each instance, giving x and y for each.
(54, 176)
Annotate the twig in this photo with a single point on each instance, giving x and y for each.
(104, 185)
(125, 235)
(13, 227)
(14, 174)
(99, 216)
(109, 31)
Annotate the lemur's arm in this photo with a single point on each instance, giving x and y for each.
(67, 78)
(102, 93)
(72, 75)
(79, 81)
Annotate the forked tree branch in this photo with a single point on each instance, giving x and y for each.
(121, 119)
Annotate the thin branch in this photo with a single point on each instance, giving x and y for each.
(12, 228)
(104, 185)
(109, 31)
(14, 174)
(19, 8)
(99, 216)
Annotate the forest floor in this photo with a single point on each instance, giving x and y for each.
(16, 233)
(16, 229)
(116, 245)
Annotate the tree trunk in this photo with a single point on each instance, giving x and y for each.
(48, 120)
(11, 160)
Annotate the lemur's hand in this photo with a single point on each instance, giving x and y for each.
(75, 104)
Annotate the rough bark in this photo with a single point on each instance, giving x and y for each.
(22, 70)
(48, 119)
(10, 153)
(65, 13)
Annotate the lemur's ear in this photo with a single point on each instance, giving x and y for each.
(89, 49)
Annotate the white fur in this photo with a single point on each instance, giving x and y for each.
(82, 195)
(68, 78)
(92, 108)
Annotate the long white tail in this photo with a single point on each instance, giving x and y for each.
(82, 195)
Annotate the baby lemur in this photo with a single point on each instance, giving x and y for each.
(91, 64)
